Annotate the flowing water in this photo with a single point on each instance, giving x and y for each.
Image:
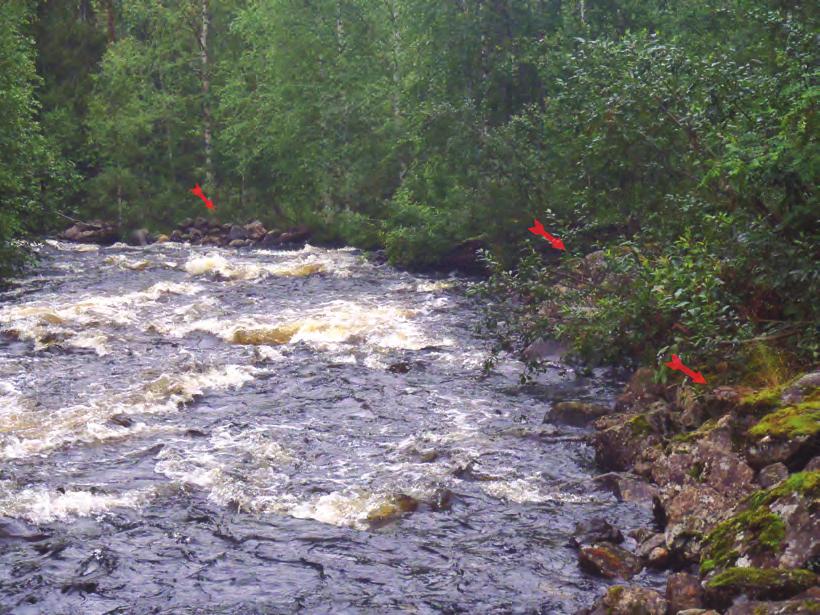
(192, 430)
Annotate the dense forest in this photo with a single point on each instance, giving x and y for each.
(675, 141)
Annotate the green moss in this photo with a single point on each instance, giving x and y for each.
(763, 399)
(754, 531)
(697, 434)
(764, 580)
(790, 422)
(640, 425)
(803, 483)
(696, 471)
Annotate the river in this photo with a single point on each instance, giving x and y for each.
(197, 430)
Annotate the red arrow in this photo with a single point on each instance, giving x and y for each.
(198, 192)
(678, 365)
(539, 229)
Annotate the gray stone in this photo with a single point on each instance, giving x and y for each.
(772, 474)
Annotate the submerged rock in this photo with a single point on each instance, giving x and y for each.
(609, 561)
(595, 530)
(576, 413)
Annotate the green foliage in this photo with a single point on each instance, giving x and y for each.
(793, 421)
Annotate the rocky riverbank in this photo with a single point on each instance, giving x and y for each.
(733, 476)
(199, 231)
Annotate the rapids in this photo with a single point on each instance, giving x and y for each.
(193, 430)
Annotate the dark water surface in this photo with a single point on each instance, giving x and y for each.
(191, 430)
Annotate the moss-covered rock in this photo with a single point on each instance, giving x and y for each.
(775, 527)
(790, 422)
(630, 601)
(760, 583)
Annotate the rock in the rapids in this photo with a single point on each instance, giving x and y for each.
(628, 488)
(237, 232)
(620, 600)
(544, 350)
(391, 509)
(576, 413)
(176, 235)
(297, 235)
(270, 239)
(772, 474)
(196, 235)
(96, 231)
(595, 530)
(683, 591)
(402, 367)
(255, 230)
(238, 243)
(654, 552)
(163, 238)
(609, 561)
(14, 529)
(122, 420)
(139, 237)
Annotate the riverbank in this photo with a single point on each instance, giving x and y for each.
(733, 475)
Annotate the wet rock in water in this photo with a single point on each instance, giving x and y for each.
(627, 488)
(270, 239)
(757, 583)
(123, 420)
(683, 591)
(237, 232)
(609, 561)
(176, 235)
(196, 235)
(255, 230)
(620, 600)
(96, 231)
(163, 238)
(576, 413)
(543, 350)
(14, 529)
(654, 552)
(299, 234)
(595, 530)
(139, 237)
(620, 439)
(772, 474)
(391, 509)
(401, 367)
(238, 243)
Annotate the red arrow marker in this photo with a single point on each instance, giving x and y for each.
(678, 365)
(539, 229)
(198, 192)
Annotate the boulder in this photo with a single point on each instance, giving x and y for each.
(756, 583)
(627, 488)
(103, 233)
(270, 239)
(790, 435)
(683, 591)
(201, 224)
(185, 224)
(609, 561)
(654, 552)
(772, 474)
(237, 233)
(163, 238)
(544, 350)
(176, 235)
(800, 389)
(196, 235)
(576, 413)
(800, 605)
(255, 230)
(620, 440)
(595, 530)
(238, 243)
(297, 235)
(139, 237)
(620, 600)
